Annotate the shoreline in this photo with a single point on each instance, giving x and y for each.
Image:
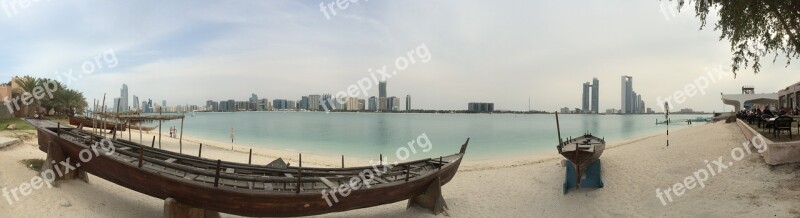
(633, 170)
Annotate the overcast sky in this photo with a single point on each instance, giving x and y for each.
(493, 51)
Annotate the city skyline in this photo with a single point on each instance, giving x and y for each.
(663, 54)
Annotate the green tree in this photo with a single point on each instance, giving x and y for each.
(26, 85)
(755, 28)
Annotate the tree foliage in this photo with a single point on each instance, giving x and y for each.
(64, 100)
(755, 28)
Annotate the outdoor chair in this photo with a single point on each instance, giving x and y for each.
(763, 122)
(783, 123)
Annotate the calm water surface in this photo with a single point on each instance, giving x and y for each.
(371, 134)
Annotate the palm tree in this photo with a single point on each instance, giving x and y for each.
(26, 85)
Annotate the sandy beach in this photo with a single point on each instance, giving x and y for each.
(632, 169)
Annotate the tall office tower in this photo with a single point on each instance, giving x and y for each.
(394, 103)
(373, 104)
(382, 89)
(164, 104)
(408, 102)
(383, 104)
(304, 103)
(627, 95)
(117, 104)
(595, 95)
(585, 106)
(135, 103)
(123, 98)
(314, 102)
(326, 103)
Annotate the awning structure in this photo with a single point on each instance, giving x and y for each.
(739, 100)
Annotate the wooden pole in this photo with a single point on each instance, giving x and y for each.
(558, 129)
(58, 129)
(180, 140)
(116, 128)
(299, 173)
(440, 163)
(141, 156)
(216, 178)
(408, 172)
(94, 116)
(153, 144)
(250, 160)
(342, 161)
(380, 161)
(200, 153)
(159, 128)
(127, 124)
(140, 134)
(103, 130)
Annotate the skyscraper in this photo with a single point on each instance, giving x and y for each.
(595, 95)
(393, 103)
(408, 102)
(123, 98)
(136, 103)
(627, 95)
(591, 101)
(313, 102)
(585, 106)
(372, 104)
(304, 103)
(382, 89)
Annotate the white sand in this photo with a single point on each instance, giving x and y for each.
(531, 187)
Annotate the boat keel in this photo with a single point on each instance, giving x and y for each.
(432, 199)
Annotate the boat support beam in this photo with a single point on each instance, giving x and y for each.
(53, 163)
(432, 199)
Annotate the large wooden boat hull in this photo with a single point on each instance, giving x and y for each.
(88, 122)
(237, 201)
(582, 158)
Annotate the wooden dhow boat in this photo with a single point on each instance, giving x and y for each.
(251, 190)
(582, 151)
(95, 123)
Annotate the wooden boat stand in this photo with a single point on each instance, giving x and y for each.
(593, 177)
(55, 156)
(432, 199)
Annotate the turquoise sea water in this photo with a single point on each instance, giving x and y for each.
(367, 135)
(370, 134)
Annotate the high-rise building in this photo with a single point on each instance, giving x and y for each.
(304, 103)
(408, 102)
(383, 104)
(231, 105)
(117, 105)
(595, 95)
(144, 107)
(585, 106)
(351, 104)
(361, 104)
(123, 98)
(164, 103)
(393, 103)
(314, 102)
(477, 107)
(136, 103)
(373, 104)
(627, 95)
(326, 103)
(382, 89)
